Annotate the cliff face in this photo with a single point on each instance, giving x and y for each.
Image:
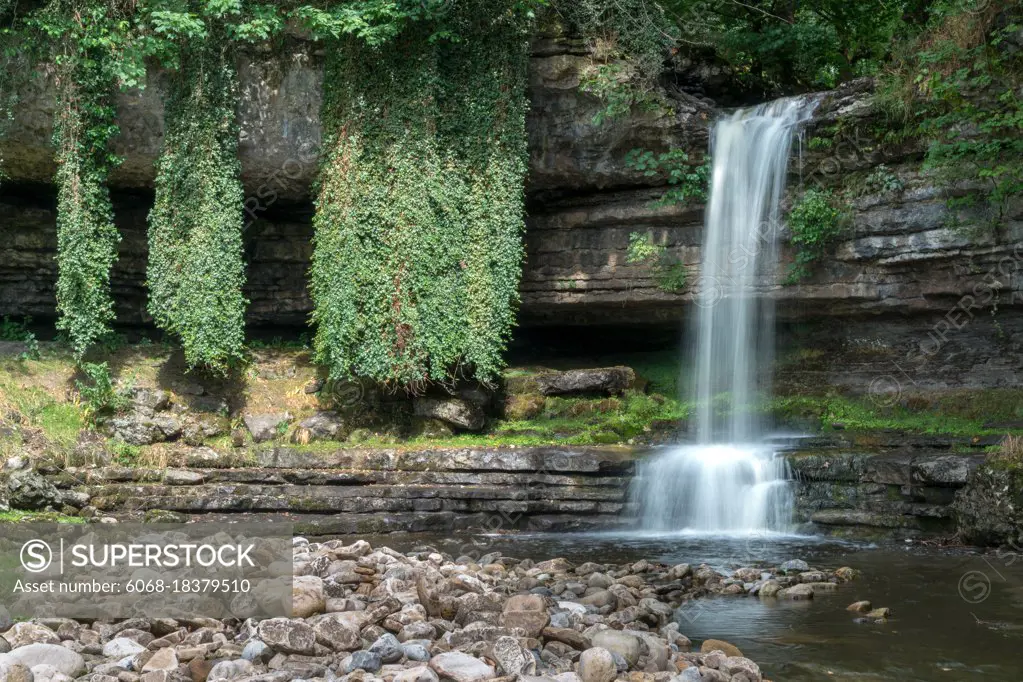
(901, 256)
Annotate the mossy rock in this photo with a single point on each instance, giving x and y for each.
(989, 509)
(521, 384)
(163, 516)
(523, 407)
(430, 428)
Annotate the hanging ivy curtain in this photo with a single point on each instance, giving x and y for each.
(418, 229)
(196, 269)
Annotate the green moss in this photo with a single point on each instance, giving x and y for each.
(17, 516)
(960, 414)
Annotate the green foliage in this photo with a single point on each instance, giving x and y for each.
(670, 273)
(955, 85)
(90, 44)
(12, 330)
(782, 45)
(419, 214)
(687, 182)
(99, 394)
(883, 180)
(815, 223)
(613, 84)
(124, 454)
(196, 268)
(631, 41)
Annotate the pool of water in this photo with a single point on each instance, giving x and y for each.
(956, 614)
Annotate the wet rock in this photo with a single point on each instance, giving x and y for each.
(738, 665)
(801, 591)
(264, 427)
(719, 645)
(794, 566)
(597, 665)
(606, 381)
(987, 509)
(880, 613)
(461, 667)
(846, 574)
(455, 411)
(859, 607)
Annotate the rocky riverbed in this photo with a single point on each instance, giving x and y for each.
(365, 614)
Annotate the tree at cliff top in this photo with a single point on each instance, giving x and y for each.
(420, 208)
(196, 270)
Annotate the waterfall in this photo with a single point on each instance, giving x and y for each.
(738, 486)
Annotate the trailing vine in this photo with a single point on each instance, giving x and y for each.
(419, 213)
(89, 63)
(196, 269)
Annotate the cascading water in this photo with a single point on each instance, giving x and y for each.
(739, 486)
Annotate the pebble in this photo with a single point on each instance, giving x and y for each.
(371, 613)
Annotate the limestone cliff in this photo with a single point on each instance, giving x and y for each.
(901, 256)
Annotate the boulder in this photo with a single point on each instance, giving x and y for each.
(420, 673)
(163, 659)
(527, 612)
(15, 672)
(287, 636)
(27, 489)
(388, 648)
(455, 411)
(511, 658)
(61, 658)
(307, 596)
(362, 660)
(120, 647)
(324, 426)
(337, 631)
(22, 634)
(597, 665)
(264, 427)
(225, 671)
(605, 381)
(461, 667)
(628, 646)
(719, 645)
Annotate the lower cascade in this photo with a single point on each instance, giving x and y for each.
(715, 489)
(726, 483)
